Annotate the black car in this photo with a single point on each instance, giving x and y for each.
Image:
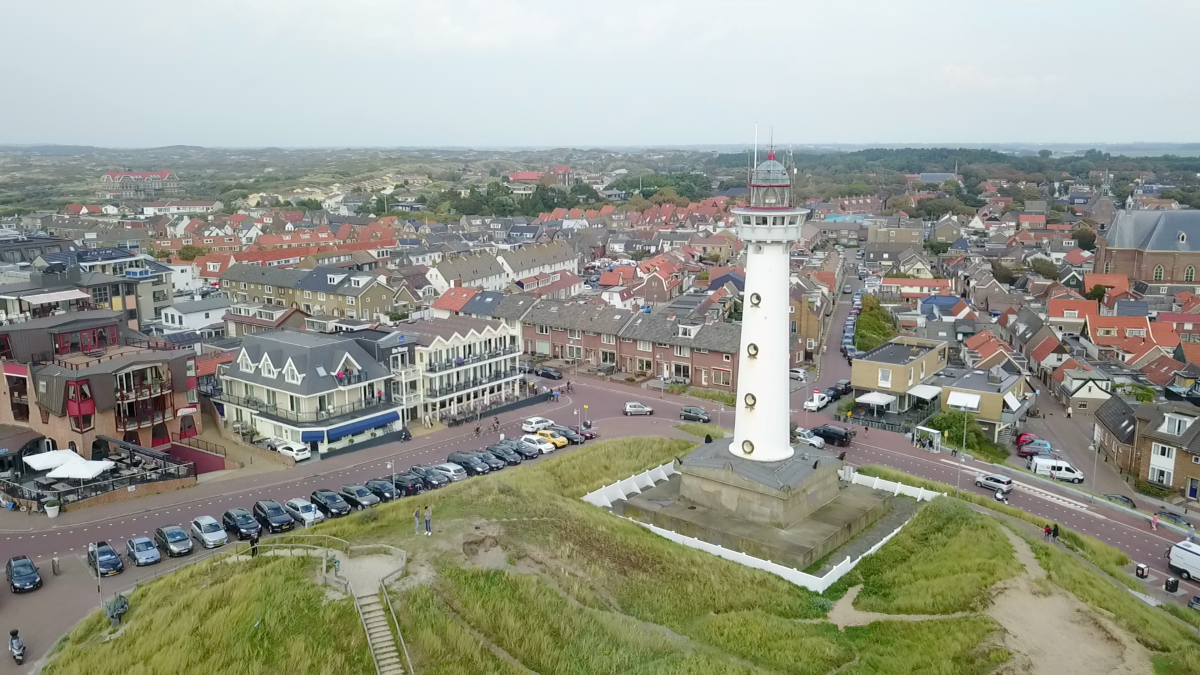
(271, 515)
(522, 448)
(844, 386)
(834, 435)
(833, 393)
(329, 502)
(1172, 517)
(525, 367)
(358, 496)
(103, 559)
(382, 488)
(505, 453)
(432, 478)
(407, 484)
(1122, 500)
(22, 575)
(473, 465)
(240, 523)
(547, 372)
(493, 462)
(567, 433)
(692, 413)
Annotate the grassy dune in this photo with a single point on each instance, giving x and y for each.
(700, 430)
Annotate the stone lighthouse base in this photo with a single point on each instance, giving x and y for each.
(792, 512)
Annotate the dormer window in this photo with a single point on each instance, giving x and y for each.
(1182, 237)
(244, 364)
(687, 331)
(268, 368)
(1176, 424)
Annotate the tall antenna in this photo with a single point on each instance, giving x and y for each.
(756, 144)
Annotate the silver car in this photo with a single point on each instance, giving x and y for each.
(142, 551)
(303, 512)
(209, 532)
(452, 471)
(995, 482)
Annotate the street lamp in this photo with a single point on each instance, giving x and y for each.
(393, 470)
(1095, 467)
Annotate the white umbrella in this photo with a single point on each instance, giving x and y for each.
(83, 470)
(51, 460)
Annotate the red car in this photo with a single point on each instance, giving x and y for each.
(588, 434)
(1025, 438)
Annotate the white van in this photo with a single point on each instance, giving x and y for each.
(1060, 468)
(1184, 560)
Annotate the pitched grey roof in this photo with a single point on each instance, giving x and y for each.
(1155, 230)
(1117, 416)
(202, 305)
(483, 303)
(259, 274)
(1152, 415)
(529, 257)
(579, 316)
(308, 351)
(470, 268)
(720, 337)
(318, 280)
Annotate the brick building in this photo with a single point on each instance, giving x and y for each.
(1152, 246)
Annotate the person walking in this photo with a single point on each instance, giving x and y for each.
(428, 520)
(417, 521)
(1054, 533)
(1154, 522)
(1068, 412)
(1046, 533)
(254, 545)
(1191, 533)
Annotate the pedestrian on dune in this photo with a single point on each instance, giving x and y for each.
(1046, 533)
(254, 545)
(417, 521)
(1054, 533)
(428, 520)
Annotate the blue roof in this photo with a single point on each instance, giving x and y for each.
(483, 303)
(1132, 308)
(941, 300)
(844, 218)
(739, 281)
(185, 337)
(962, 245)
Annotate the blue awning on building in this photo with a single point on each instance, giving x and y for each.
(310, 436)
(362, 425)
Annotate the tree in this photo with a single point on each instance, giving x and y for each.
(1085, 239)
(190, 252)
(1002, 273)
(897, 274)
(875, 325)
(1097, 293)
(952, 423)
(1045, 268)
(937, 247)
(1044, 154)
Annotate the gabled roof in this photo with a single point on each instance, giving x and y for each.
(1085, 308)
(1116, 416)
(1116, 283)
(1045, 348)
(454, 299)
(1162, 370)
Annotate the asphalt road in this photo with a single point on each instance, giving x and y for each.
(45, 615)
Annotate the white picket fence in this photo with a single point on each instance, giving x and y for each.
(605, 496)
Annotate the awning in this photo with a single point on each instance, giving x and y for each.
(81, 470)
(51, 460)
(963, 401)
(56, 296)
(925, 391)
(362, 425)
(875, 398)
(311, 436)
(1012, 402)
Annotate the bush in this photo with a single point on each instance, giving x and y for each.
(677, 388)
(368, 516)
(726, 397)
(53, 502)
(1152, 489)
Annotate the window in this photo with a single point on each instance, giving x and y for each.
(350, 300)
(687, 331)
(1189, 274)
(1160, 476)
(290, 374)
(268, 289)
(1182, 237)
(1175, 424)
(1071, 314)
(644, 346)
(268, 370)
(574, 352)
(885, 377)
(681, 351)
(543, 329)
(812, 344)
(726, 357)
(722, 378)
(307, 295)
(320, 296)
(244, 364)
(83, 423)
(1082, 405)
(1164, 451)
(644, 365)
(1158, 273)
(608, 339)
(574, 334)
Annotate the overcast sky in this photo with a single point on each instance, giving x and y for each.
(580, 73)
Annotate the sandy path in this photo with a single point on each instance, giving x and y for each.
(844, 613)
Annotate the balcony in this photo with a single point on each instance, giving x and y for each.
(346, 380)
(1016, 415)
(135, 422)
(406, 399)
(406, 371)
(309, 417)
(464, 385)
(462, 362)
(143, 391)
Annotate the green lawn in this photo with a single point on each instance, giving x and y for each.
(700, 430)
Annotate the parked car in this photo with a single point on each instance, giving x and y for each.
(844, 387)
(1194, 603)
(272, 516)
(525, 367)
(407, 484)
(22, 575)
(240, 523)
(329, 503)
(817, 402)
(995, 482)
(473, 465)
(805, 436)
(297, 451)
(847, 289)
(1056, 468)
(208, 532)
(587, 432)
(173, 540)
(382, 488)
(798, 374)
(433, 478)
(505, 454)
(554, 437)
(303, 511)
(1034, 448)
(833, 393)
(548, 373)
(540, 443)
(568, 433)
(451, 471)
(635, 408)
(1173, 518)
(834, 435)
(1026, 437)
(1122, 500)
(358, 497)
(693, 413)
(103, 559)
(142, 551)
(493, 462)
(525, 450)
(535, 424)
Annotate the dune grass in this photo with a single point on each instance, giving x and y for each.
(700, 430)
(430, 629)
(777, 643)
(942, 562)
(946, 647)
(215, 618)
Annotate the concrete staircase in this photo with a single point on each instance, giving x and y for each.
(388, 659)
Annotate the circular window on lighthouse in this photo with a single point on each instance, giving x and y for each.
(750, 400)
(755, 299)
(748, 447)
(752, 350)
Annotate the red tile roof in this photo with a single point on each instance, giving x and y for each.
(209, 366)
(1117, 283)
(454, 299)
(1160, 371)
(1085, 308)
(1046, 348)
(1078, 257)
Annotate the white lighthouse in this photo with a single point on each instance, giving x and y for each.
(768, 226)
